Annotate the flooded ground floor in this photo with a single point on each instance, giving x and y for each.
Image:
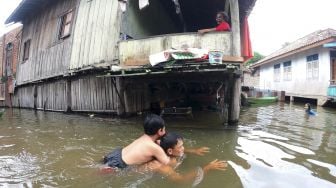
(273, 146)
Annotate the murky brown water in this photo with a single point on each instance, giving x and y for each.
(273, 146)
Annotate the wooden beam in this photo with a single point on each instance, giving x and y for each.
(237, 59)
(227, 6)
(235, 27)
(68, 95)
(120, 89)
(136, 62)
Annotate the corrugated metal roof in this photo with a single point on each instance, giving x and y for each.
(246, 7)
(306, 41)
(27, 8)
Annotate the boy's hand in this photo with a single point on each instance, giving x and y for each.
(202, 151)
(216, 165)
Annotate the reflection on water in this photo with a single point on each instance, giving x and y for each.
(273, 146)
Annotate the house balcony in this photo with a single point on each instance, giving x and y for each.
(135, 53)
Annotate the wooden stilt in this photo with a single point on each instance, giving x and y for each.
(235, 105)
(68, 95)
(35, 96)
(120, 89)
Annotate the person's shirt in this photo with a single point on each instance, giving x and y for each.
(224, 26)
(311, 112)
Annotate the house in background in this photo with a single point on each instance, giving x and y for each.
(9, 53)
(304, 69)
(93, 55)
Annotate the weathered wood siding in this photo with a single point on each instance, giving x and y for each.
(94, 94)
(52, 96)
(24, 97)
(47, 96)
(49, 56)
(96, 33)
(135, 50)
(137, 98)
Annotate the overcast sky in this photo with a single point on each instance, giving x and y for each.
(6, 8)
(272, 22)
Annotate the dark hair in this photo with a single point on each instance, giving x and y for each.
(152, 124)
(309, 107)
(169, 140)
(225, 16)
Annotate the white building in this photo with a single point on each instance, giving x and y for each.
(305, 68)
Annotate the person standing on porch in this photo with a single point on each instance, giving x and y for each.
(222, 21)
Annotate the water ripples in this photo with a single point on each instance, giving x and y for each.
(20, 168)
(274, 146)
(280, 155)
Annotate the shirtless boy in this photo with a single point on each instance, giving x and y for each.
(143, 149)
(173, 146)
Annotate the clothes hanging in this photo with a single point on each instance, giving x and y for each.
(143, 4)
(247, 52)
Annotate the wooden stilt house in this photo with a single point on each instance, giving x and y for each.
(94, 55)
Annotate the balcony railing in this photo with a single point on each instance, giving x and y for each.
(136, 52)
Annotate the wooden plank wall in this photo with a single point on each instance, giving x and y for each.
(96, 33)
(52, 96)
(24, 97)
(137, 98)
(94, 94)
(49, 56)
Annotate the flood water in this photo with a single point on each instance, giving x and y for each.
(273, 146)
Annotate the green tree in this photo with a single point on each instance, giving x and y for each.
(256, 57)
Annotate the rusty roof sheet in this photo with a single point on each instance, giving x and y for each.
(245, 7)
(27, 8)
(305, 41)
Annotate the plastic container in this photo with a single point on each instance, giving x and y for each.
(215, 56)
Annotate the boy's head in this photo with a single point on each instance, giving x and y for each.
(154, 124)
(222, 16)
(172, 144)
(307, 106)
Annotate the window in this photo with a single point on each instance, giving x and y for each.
(312, 67)
(287, 67)
(26, 49)
(9, 59)
(277, 73)
(2, 91)
(65, 28)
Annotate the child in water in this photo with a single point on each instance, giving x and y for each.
(308, 109)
